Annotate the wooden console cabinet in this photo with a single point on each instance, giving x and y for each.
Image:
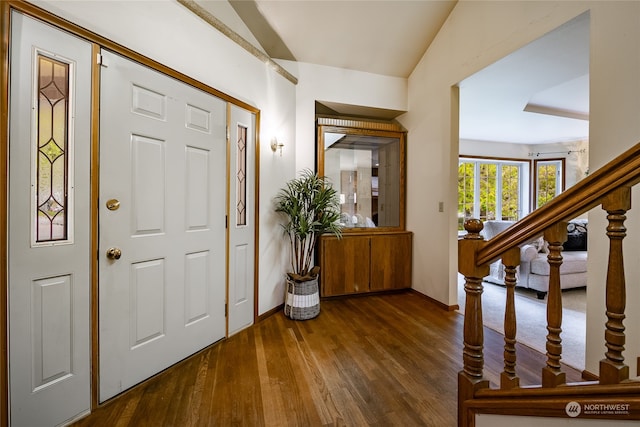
(361, 263)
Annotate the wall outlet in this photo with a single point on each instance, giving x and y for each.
(440, 206)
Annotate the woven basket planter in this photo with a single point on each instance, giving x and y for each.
(302, 300)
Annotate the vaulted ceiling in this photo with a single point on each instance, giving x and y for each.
(538, 94)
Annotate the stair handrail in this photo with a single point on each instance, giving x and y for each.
(622, 171)
(610, 187)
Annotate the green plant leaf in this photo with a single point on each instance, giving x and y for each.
(311, 207)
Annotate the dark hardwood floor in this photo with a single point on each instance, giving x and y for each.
(378, 360)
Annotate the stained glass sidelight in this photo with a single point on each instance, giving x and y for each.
(52, 159)
(241, 175)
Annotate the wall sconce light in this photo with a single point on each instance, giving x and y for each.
(275, 145)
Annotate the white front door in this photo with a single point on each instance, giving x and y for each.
(49, 224)
(162, 205)
(242, 215)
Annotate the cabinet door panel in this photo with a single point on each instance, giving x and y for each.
(344, 265)
(390, 261)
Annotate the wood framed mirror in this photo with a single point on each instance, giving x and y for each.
(365, 161)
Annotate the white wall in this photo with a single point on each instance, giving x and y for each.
(494, 149)
(170, 34)
(322, 83)
(614, 127)
(476, 34)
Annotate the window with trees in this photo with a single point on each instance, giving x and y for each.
(489, 189)
(549, 180)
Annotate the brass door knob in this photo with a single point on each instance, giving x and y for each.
(114, 253)
(113, 204)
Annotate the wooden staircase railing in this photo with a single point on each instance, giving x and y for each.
(610, 187)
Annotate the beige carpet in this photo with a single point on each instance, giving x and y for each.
(531, 318)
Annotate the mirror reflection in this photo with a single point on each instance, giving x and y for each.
(365, 170)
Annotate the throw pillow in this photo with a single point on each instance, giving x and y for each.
(576, 237)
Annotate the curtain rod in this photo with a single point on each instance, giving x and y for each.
(531, 154)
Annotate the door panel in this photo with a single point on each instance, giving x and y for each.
(197, 275)
(198, 186)
(147, 301)
(148, 186)
(51, 316)
(49, 224)
(163, 157)
(241, 219)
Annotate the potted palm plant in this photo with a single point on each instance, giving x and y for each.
(311, 207)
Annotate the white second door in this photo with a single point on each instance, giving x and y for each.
(49, 224)
(162, 249)
(242, 215)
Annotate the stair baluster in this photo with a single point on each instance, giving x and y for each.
(552, 375)
(612, 368)
(508, 378)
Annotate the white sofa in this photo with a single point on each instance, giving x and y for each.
(533, 271)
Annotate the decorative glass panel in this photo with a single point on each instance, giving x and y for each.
(52, 159)
(241, 176)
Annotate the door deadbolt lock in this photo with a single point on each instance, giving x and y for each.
(113, 204)
(114, 253)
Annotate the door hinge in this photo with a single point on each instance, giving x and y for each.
(226, 221)
(226, 309)
(101, 61)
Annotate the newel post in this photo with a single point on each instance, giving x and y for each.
(471, 377)
(612, 368)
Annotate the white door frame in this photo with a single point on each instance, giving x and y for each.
(99, 42)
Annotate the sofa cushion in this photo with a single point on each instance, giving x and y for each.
(567, 281)
(528, 253)
(572, 262)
